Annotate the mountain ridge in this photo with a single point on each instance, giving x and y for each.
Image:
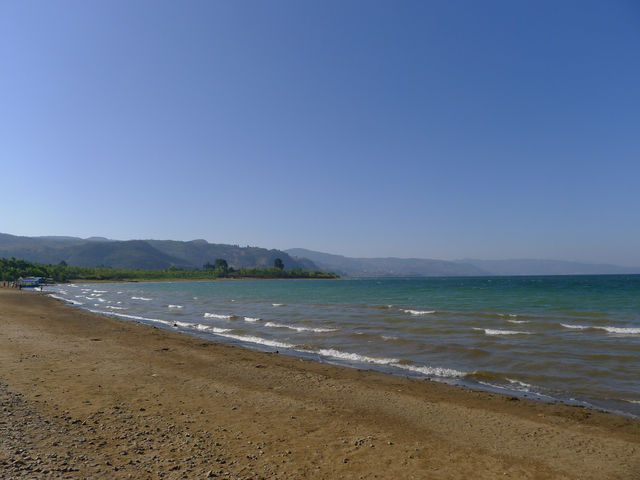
(145, 254)
(393, 266)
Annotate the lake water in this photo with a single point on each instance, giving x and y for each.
(574, 339)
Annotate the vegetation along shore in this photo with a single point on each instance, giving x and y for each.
(12, 269)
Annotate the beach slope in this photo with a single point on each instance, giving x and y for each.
(86, 396)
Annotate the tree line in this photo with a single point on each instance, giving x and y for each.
(11, 269)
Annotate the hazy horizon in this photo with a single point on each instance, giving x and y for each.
(441, 130)
(287, 249)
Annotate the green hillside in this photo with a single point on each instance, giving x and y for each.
(140, 254)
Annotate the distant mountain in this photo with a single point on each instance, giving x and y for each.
(546, 267)
(199, 252)
(386, 267)
(147, 254)
(405, 267)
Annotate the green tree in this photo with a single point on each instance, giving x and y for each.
(222, 267)
(278, 264)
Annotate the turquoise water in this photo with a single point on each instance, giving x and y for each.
(570, 338)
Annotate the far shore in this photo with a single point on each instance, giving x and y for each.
(89, 396)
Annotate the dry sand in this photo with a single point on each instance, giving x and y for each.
(86, 396)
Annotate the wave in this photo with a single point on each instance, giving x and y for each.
(277, 304)
(617, 330)
(300, 329)
(491, 331)
(518, 321)
(355, 357)
(217, 315)
(115, 308)
(258, 340)
(100, 291)
(183, 324)
(575, 327)
(419, 312)
(209, 328)
(431, 371)
(621, 330)
(252, 319)
(133, 317)
(175, 306)
(74, 302)
(146, 299)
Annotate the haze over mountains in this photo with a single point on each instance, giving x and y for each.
(405, 267)
(162, 254)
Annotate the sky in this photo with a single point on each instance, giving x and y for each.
(431, 129)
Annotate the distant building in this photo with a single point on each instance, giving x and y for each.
(27, 282)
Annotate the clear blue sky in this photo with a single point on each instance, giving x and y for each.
(448, 129)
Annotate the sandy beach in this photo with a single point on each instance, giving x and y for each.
(86, 396)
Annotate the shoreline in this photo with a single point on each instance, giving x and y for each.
(256, 414)
(481, 379)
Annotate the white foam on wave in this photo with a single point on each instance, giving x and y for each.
(209, 328)
(201, 327)
(252, 319)
(419, 312)
(355, 357)
(616, 330)
(300, 329)
(575, 327)
(146, 299)
(621, 330)
(175, 306)
(217, 315)
(431, 371)
(525, 386)
(257, 340)
(74, 302)
(277, 304)
(184, 324)
(518, 321)
(389, 337)
(516, 386)
(133, 317)
(112, 307)
(100, 291)
(491, 331)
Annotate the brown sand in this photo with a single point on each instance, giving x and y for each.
(86, 396)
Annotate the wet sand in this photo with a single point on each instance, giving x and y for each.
(87, 396)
